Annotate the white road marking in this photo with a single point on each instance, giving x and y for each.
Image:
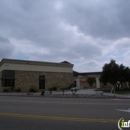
(124, 110)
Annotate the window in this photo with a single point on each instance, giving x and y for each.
(41, 82)
(8, 78)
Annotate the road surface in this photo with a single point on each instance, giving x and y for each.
(37, 113)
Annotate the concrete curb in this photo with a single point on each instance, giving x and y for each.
(67, 96)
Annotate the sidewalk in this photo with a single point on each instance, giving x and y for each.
(80, 93)
(92, 92)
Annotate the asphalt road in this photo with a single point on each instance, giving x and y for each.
(34, 113)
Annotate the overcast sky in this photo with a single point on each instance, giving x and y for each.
(83, 32)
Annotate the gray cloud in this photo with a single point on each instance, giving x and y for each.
(99, 18)
(6, 48)
(82, 32)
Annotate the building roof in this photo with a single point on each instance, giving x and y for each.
(75, 74)
(16, 61)
(65, 62)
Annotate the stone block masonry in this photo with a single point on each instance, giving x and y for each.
(26, 79)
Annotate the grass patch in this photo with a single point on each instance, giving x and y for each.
(106, 90)
(123, 91)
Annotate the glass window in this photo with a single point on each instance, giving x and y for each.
(8, 74)
(8, 78)
(41, 81)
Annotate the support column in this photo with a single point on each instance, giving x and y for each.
(97, 82)
(78, 83)
(127, 84)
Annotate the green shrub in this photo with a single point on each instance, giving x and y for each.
(43, 92)
(91, 80)
(126, 89)
(5, 90)
(33, 90)
(70, 86)
(54, 88)
(50, 89)
(18, 89)
(63, 89)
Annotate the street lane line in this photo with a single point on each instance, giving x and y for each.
(60, 118)
(70, 103)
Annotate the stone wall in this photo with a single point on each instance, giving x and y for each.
(26, 79)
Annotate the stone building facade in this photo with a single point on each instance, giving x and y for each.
(26, 79)
(25, 74)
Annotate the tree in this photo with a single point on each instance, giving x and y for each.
(113, 72)
(91, 80)
(63, 89)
